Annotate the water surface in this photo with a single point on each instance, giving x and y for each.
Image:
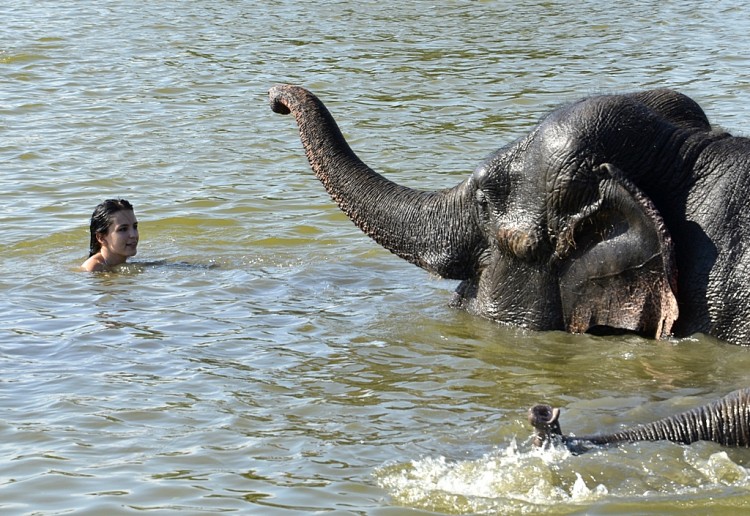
(262, 355)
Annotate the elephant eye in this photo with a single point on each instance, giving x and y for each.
(480, 197)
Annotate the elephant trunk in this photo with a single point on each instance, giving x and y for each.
(434, 230)
(725, 421)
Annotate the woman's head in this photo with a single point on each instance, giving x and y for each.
(102, 219)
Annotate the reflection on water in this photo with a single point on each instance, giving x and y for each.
(140, 266)
(261, 355)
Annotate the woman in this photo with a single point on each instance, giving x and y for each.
(114, 235)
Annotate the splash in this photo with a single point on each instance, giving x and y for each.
(501, 482)
(552, 480)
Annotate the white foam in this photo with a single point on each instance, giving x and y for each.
(508, 480)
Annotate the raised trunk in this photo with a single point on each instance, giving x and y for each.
(437, 231)
(725, 421)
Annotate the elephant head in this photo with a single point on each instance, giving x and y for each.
(547, 233)
(725, 421)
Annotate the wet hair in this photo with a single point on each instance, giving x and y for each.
(102, 218)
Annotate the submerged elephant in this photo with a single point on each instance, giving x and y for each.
(725, 421)
(615, 213)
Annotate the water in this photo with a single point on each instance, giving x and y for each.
(261, 355)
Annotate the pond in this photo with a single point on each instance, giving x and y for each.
(260, 354)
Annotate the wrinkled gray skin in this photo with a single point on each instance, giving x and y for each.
(616, 213)
(725, 421)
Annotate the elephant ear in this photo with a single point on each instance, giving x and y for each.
(617, 263)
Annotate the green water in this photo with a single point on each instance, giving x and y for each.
(263, 356)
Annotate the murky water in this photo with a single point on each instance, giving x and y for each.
(261, 355)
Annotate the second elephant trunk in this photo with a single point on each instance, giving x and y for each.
(725, 421)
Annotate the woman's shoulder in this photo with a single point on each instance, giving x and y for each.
(95, 263)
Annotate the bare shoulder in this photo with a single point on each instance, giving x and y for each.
(94, 264)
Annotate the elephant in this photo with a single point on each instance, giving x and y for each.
(616, 213)
(725, 421)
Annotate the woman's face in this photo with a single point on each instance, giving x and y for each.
(122, 237)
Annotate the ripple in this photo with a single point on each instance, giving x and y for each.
(262, 355)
